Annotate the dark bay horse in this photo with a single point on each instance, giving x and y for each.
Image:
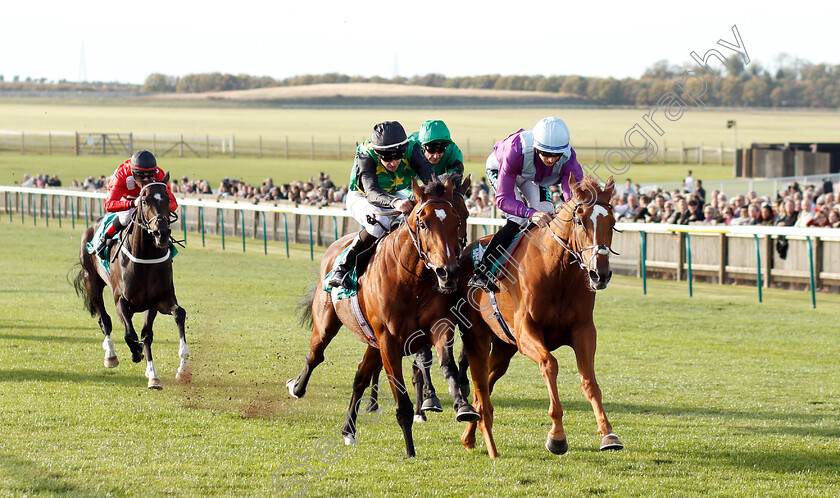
(140, 279)
(547, 297)
(405, 294)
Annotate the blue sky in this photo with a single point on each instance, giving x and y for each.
(127, 41)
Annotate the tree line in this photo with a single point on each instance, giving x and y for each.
(794, 83)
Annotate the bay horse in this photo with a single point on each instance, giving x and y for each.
(140, 279)
(405, 295)
(546, 297)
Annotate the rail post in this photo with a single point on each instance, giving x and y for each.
(813, 282)
(265, 237)
(644, 262)
(184, 221)
(688, 260)
(243, 229)
(222, 217)
(286, 228)
(311, 241)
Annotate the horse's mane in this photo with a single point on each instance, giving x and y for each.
(437, 187)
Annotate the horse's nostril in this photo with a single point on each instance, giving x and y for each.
(593, 275)
(441, 273)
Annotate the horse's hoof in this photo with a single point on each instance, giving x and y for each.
(557, 447)
(611, 442)
(290, 385)
(350, 440)
(431, 404)
(372, 407)
(112, 362)
(467, 414)
(184, 375)
(155, 384)
(419, 418)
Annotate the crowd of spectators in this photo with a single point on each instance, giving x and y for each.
(320, 191)
(800, 206)
(40, 180)
(808, 206)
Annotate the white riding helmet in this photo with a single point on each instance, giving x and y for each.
(551, 135)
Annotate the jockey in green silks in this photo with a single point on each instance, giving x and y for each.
(380, 180)
(434, 141)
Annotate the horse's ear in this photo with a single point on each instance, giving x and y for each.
(610, 184)
(572, 185)
(415, 187)
(465, 185)
(449, 187)
(166, 178)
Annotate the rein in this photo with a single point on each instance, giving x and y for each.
(602, 249)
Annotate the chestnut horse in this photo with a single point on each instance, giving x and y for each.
(405, 295)
(546, 304)
(140, 279)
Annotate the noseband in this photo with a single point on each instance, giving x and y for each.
(598, 249)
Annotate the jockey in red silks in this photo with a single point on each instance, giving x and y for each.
(521, 166)
(123, 189)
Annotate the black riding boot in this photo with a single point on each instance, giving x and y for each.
(99, 250)
(482, 277)
(362, 241)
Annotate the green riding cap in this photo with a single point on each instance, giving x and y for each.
(434, 130)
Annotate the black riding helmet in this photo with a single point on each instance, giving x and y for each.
(143, 164)
(389, 136)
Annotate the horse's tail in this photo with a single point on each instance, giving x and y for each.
(81, 289)
(304, 306)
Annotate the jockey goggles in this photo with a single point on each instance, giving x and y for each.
(436, 148)
(143, 174)
(392, 155)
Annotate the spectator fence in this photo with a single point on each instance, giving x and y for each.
(721, 254)
(281, 146)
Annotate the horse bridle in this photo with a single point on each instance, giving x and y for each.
(144, 222)
(602, 249)
(416, 238)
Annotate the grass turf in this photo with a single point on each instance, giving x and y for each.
(717, 394)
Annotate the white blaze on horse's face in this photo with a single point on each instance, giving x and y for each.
(441, 214)
(159, 197)
(597, 210)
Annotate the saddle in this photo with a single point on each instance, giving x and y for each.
(499, 264)
(351, 281)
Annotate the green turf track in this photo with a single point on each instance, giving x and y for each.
(715, 395)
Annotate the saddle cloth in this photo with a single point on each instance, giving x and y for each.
(106, 222)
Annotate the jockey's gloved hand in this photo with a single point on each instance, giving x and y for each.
(541, 219)
(404, 205)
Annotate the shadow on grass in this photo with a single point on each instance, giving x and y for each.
(757, 422)
(46, 338)
(28, 478)
(27, 375)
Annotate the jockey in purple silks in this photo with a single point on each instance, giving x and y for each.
(523, 166)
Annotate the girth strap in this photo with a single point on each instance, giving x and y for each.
(499, 318)
(360, 318)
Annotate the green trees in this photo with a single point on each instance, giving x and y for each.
(793, 83)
